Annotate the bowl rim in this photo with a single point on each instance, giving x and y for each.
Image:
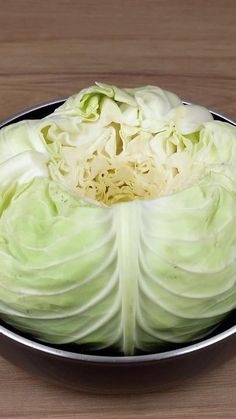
(104, 359)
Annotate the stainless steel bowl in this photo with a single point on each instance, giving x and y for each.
(114, 374)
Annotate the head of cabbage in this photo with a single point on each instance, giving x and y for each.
(118, 221)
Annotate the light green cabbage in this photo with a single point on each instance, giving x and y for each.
(117, 221)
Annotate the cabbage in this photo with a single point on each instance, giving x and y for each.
(117, 221)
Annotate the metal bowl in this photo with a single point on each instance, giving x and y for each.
(115, 374)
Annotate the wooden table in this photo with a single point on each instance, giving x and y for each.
(51, 49)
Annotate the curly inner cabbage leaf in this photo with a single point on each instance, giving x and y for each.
(117, 221)
(114, 145)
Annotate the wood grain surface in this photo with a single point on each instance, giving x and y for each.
(51, 49)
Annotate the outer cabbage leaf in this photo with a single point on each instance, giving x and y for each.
(57, 266)
(136, 276)
(20, 137)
